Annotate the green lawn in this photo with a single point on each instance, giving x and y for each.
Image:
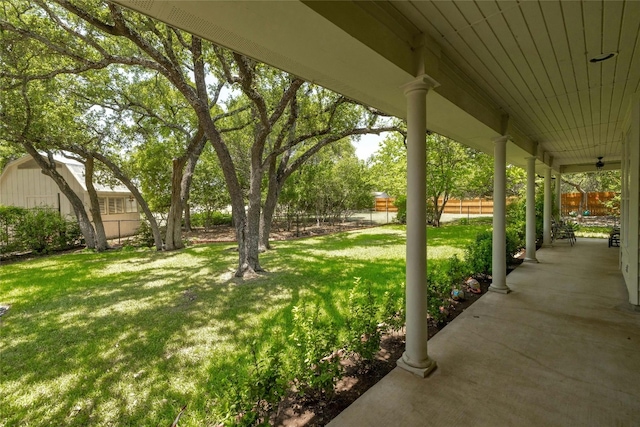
(592, 231)
(127, 338)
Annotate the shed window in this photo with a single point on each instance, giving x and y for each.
(102, 201)
(130, 205)
(116, 205)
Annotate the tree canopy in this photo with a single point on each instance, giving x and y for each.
(144, 99)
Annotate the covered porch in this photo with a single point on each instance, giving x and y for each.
(561, 349)
(550, 86)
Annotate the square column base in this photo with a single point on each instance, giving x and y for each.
(504, 290)
(421, 372)
(534, 260)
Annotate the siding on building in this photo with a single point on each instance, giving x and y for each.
(23, 184)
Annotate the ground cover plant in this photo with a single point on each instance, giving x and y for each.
(130, 337)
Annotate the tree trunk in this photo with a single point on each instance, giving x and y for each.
(173, 238)
(266, 219)
(187, 217)
(436, 210)
(270, 203)
(193, 154)
(583, 196)
(119, 174)
(94, 206)
(48, 167)
(249, 261)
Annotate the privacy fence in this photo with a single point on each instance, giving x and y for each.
(596, 204)
(454, 206)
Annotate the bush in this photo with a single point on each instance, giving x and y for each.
(43, 230)
(516, 213)
(144, 234)
(315, 358)
(456, 270)
(479, 254)
(362, 322)
(401, 204)
(10, 217)
(209, 219)
(514, 244)
(438, 292)
(392, 311)
(250, 400)
(441, 279)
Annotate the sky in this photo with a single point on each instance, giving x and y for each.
(367, 145)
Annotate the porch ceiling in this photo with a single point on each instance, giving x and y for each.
(513, 67)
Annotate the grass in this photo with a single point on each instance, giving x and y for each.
(592, 231)
(129, 337)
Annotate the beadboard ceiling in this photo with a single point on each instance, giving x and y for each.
(532, 58)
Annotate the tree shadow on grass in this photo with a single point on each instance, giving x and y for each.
(129, 338)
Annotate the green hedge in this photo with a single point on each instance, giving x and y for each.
(210, 219)
(40, 230)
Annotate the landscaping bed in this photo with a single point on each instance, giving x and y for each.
(298, 411)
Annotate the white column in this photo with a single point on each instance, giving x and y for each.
(415, 358)
(630, 226)
(559, 194)
(499, 264)
(531, 211)
(546, 226)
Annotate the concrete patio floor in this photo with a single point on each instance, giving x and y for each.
(563, 349)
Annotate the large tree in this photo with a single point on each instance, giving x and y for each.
(95, 36)
(452, 171)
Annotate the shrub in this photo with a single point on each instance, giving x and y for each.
(314, 357)
(392, 311)
(72, 235)
(362, 322)
(401, 204)
(441, 279)
(43, 230)
(516, 218)
(514, 244)
(250, 400)
(144, 235)
(262, 390)
(10, 217)
(479, 254)
(438, 292)
(457, 270)
(209, 219)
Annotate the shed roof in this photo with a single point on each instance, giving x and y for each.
(76, 169)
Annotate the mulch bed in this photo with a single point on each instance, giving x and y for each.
(297, 411)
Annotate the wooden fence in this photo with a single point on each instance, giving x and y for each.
(595, 203)
(454, 206)
(469, 206)
(385, 205)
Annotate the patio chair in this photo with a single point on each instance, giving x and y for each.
(614, 237)
(563, 230)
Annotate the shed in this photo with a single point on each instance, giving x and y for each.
(23, 184)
